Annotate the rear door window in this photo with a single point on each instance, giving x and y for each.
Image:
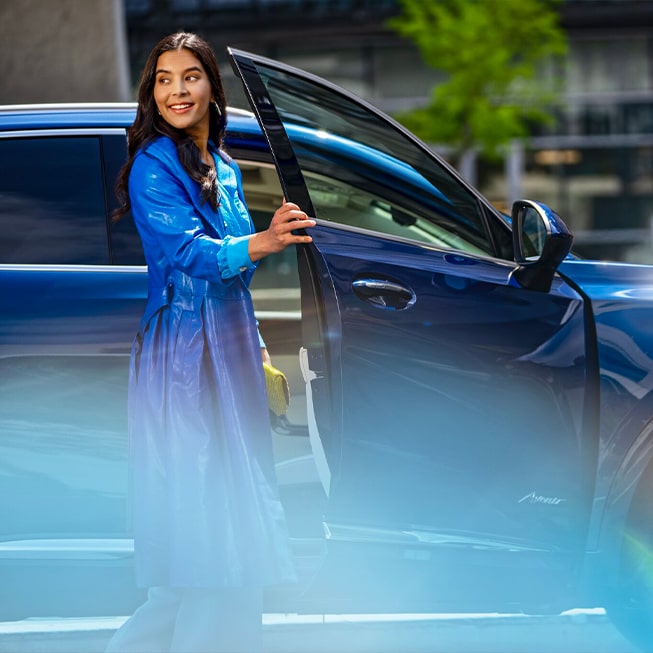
(52, 201)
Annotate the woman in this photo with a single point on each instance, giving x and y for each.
(209, 529)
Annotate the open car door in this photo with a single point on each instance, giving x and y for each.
(450, 405)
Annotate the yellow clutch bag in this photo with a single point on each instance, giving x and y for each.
(276, 384)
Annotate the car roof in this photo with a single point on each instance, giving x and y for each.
(90, 115)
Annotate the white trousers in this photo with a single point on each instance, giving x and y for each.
(193, 620)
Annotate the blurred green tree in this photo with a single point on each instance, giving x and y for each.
(491, 52)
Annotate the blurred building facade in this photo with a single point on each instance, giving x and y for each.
(63, 51)
(594, 167)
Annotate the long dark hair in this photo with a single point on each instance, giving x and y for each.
(149, 124)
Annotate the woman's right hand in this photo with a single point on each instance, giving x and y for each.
(286, 219)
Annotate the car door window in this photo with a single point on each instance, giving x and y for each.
(52, 204)
(363, 171)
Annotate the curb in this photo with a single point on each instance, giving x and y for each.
(576, 631)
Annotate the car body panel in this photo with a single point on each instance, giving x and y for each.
(65, 338)
(621, 299)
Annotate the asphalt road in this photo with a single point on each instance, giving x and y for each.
(572, 632)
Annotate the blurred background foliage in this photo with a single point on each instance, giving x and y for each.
(490, 52)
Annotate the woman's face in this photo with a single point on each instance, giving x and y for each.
(182, 92)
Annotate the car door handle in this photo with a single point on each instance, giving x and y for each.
(384, 294)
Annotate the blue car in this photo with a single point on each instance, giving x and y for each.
(471, 418)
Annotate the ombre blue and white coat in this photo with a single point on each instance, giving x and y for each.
(206, 510)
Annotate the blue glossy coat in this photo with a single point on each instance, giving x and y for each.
(206, 508)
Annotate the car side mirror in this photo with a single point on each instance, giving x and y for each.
(541, 241)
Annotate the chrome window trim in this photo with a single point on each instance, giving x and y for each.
(70, 267)
(66, 106)
(64, 131)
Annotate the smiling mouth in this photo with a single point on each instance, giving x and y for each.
(180, 107)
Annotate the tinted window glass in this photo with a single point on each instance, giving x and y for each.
(52, 201)
(362, 171)
(126, 247)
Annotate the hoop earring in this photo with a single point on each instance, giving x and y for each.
(217, 108)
